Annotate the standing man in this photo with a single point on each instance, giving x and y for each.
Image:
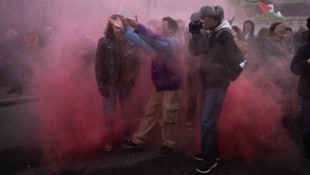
(216, 51)
(164, 100)
(116, 69)
(192, 62)
(300, 65)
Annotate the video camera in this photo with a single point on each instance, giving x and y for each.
(195, 27)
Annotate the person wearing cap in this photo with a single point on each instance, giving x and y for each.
(215, 51)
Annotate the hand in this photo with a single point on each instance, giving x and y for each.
(308, 60)
(104, 91)
(132, 23)
(117, 23)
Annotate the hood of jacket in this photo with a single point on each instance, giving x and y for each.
(223, 25)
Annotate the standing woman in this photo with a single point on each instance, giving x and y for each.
(116, 70)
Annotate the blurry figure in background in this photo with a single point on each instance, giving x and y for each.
(301, 36)
(13, 62)
(278, 61)
(248, 33)
(32, 39)
(182, 32)
(289, 40)
(164, 100)
(116, 70)
(48, 37)
(84, 49)
(260, 55)
(31, 52)
(260, 43)
(237, 34)
(192, 62)
(276, 41)
(300, 66)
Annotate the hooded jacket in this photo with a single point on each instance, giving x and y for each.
(216, 50)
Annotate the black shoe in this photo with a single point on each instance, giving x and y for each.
(206, 168)
(200, 158)
(166, 151)
(130, 145)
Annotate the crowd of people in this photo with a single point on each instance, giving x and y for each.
(28, 51)
(210, 58)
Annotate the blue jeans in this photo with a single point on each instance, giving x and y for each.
(305, 117)
(110, 103)
(212, 102)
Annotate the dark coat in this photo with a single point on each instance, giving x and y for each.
(299, 66)
(116, 62)
(216, 59)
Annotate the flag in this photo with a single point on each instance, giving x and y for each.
(265, 8)
(252, 1)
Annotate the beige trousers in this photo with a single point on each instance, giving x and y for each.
(163, 104)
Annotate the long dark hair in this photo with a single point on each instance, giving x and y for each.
(238, 31)
(172, 24)
(252, 27)
(109, 29)
(273, 27)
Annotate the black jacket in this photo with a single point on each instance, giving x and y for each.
(116, 62)
(216, 59)
(299, 66)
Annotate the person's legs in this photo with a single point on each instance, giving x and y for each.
(126, 109)
(192, 95)
(305, 112)
(152, 112)
(212, 101)
(170, 107)
(109, 107)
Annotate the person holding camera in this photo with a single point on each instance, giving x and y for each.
(216, 50)
(192, 62)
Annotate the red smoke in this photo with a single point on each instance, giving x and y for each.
(250, 126)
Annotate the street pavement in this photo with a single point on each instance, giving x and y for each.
(14, 98)
(20, 153)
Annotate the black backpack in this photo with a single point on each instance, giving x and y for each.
(236, 58)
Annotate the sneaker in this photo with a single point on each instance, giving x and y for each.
(130, 145)
(166, 151)
(200, 158)
(108, 147)
(206, 168)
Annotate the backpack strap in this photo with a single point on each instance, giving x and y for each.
(217, 34)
